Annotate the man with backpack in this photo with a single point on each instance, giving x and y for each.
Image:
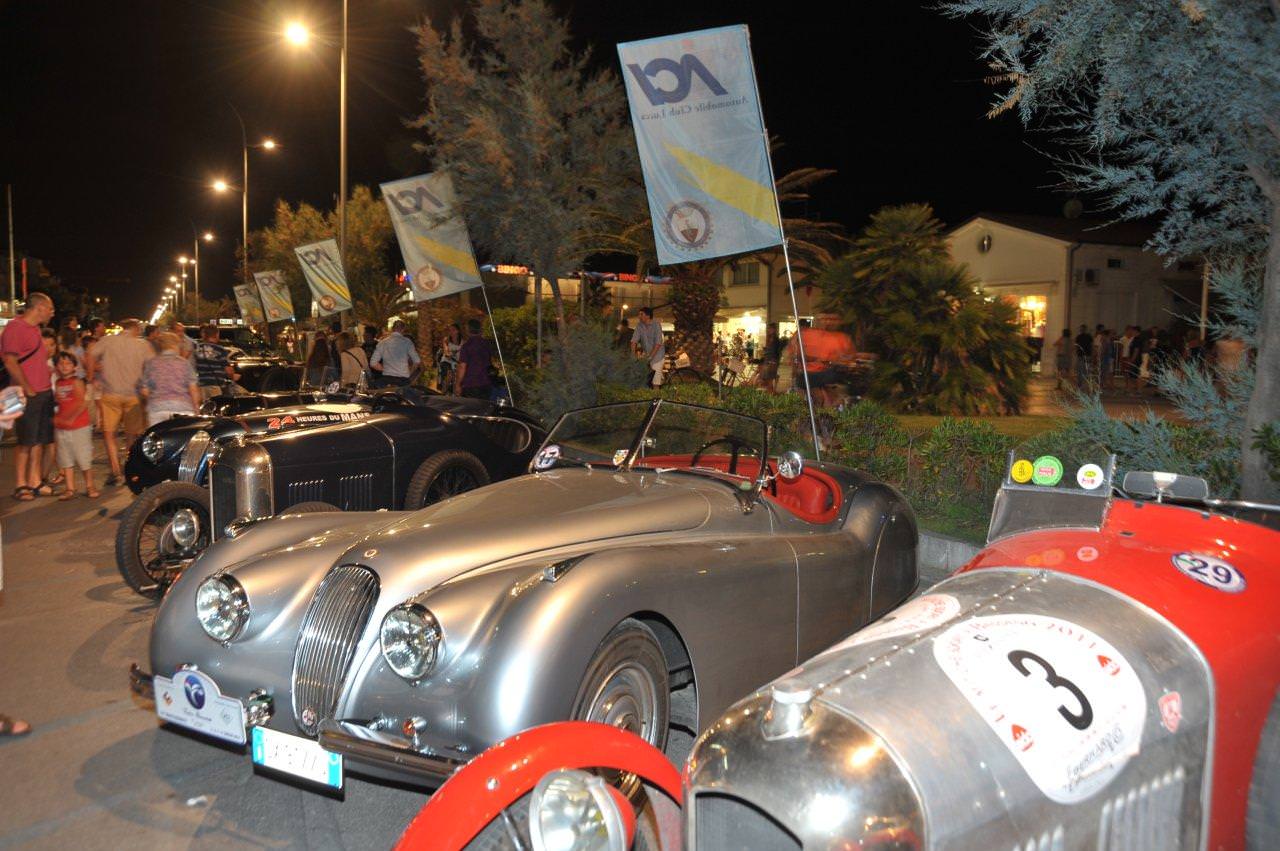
(27, 366)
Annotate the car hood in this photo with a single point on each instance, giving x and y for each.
(528, 515)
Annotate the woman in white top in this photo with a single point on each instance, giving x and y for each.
(352, 359)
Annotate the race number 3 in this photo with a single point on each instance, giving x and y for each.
(1210, 571)
(1061, 699)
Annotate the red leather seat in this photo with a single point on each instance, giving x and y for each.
(814, 497)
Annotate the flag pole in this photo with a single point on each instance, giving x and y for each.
(497, 344)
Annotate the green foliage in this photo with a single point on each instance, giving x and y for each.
(868, 437)
(581, 361)
(1267, 441)
(944, 348)
(536, 141)
(962, 460)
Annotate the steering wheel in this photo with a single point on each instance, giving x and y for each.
(736, 444)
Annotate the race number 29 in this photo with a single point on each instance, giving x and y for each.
(1210, 571)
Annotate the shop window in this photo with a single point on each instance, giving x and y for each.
(744, 274)
(1115, 263)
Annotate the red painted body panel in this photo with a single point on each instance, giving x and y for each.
(461, 808)
(1238, 633)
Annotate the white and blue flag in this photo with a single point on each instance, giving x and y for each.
(432, 235)
(322, 268)
(696, 113)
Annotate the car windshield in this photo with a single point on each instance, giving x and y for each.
(656, 435)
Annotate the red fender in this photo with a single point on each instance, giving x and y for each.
(497, 778)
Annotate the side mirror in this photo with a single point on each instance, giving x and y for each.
(1162, 485)
(790, 466)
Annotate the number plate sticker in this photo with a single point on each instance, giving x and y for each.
(1211, 571)
(1062, 699)
(296, 756)
(192, 700)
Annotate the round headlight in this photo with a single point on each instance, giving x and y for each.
(222, 607)
(571, 810)
(152, 446)
(411, 641)
(185, 527)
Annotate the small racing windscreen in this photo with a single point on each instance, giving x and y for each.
(693, 437)
(1053, 487)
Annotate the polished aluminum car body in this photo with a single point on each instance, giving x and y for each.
(738, 578)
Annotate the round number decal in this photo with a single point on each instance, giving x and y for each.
(1062, 699)
(1211, 571)
(547, 457)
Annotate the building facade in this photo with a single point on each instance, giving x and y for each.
(1063, 273)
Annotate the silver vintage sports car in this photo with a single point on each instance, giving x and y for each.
(655, 565)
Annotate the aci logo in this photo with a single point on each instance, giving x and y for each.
(315, 256)
(410, 201)
(194, 690)
(683, 72)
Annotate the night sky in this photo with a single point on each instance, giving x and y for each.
(117, 116)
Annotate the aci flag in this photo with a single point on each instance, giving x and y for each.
(277, 303)
(432, 235)
(696, 114)
(247, 301)
(323, 269)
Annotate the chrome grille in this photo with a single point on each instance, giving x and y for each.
(308, 491)
(1145, 818)
(222, 496)
(189, 463)
(333, 625)
(727, 823)
(355, 493)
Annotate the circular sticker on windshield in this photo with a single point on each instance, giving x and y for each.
(1021, 471)
(1089, 477)
(547, 457)
(1211, 571)
(1063, 700)
(1047, 471)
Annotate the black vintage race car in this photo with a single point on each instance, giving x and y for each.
(393, 449)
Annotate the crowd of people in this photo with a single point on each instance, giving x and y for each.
(1129, 361)
(75, 383)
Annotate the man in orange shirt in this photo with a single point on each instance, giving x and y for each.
(826, 349)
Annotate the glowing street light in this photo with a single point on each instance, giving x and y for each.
(296, 33)
(221, 186)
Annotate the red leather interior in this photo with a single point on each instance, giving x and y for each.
(815, 497)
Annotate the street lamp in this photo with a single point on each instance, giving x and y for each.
(207, 236)
(222, 186)
(298, 34)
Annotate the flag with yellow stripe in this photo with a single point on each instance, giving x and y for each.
(433, 237)
(700, 132)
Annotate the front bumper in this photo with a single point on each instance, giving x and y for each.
(386, 755)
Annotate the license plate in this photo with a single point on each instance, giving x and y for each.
(296, 756)
(191, 699)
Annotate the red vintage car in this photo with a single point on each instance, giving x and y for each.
(1103, 674)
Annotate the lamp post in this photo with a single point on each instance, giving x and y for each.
(298, 34)
(223, 186)
(207, 236)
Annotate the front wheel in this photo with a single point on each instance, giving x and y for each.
(627, 686)
(162, 532)
(443, 475)
(1262, 823)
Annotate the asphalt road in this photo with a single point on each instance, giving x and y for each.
(98, 771)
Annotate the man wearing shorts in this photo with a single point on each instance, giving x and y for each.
(118, 366)
(22, 348)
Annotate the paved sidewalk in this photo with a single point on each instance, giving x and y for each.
(98, 772)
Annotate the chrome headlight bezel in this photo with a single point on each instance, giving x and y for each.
(571, 810)
(411, 641)
(223, 616)
(185, 527)
(152, 447)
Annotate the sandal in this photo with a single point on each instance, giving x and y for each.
(66, 495)
(22, 493)
(13, 726)
(41, 490)
(55, 479)
(92, 494)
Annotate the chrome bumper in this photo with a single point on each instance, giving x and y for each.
(140, 682)
(388, 754)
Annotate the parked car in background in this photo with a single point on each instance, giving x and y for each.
(261, 368)
(468, 443)
(1102, 675)
(655, 565)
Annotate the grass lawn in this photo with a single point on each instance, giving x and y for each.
(1016, 427)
